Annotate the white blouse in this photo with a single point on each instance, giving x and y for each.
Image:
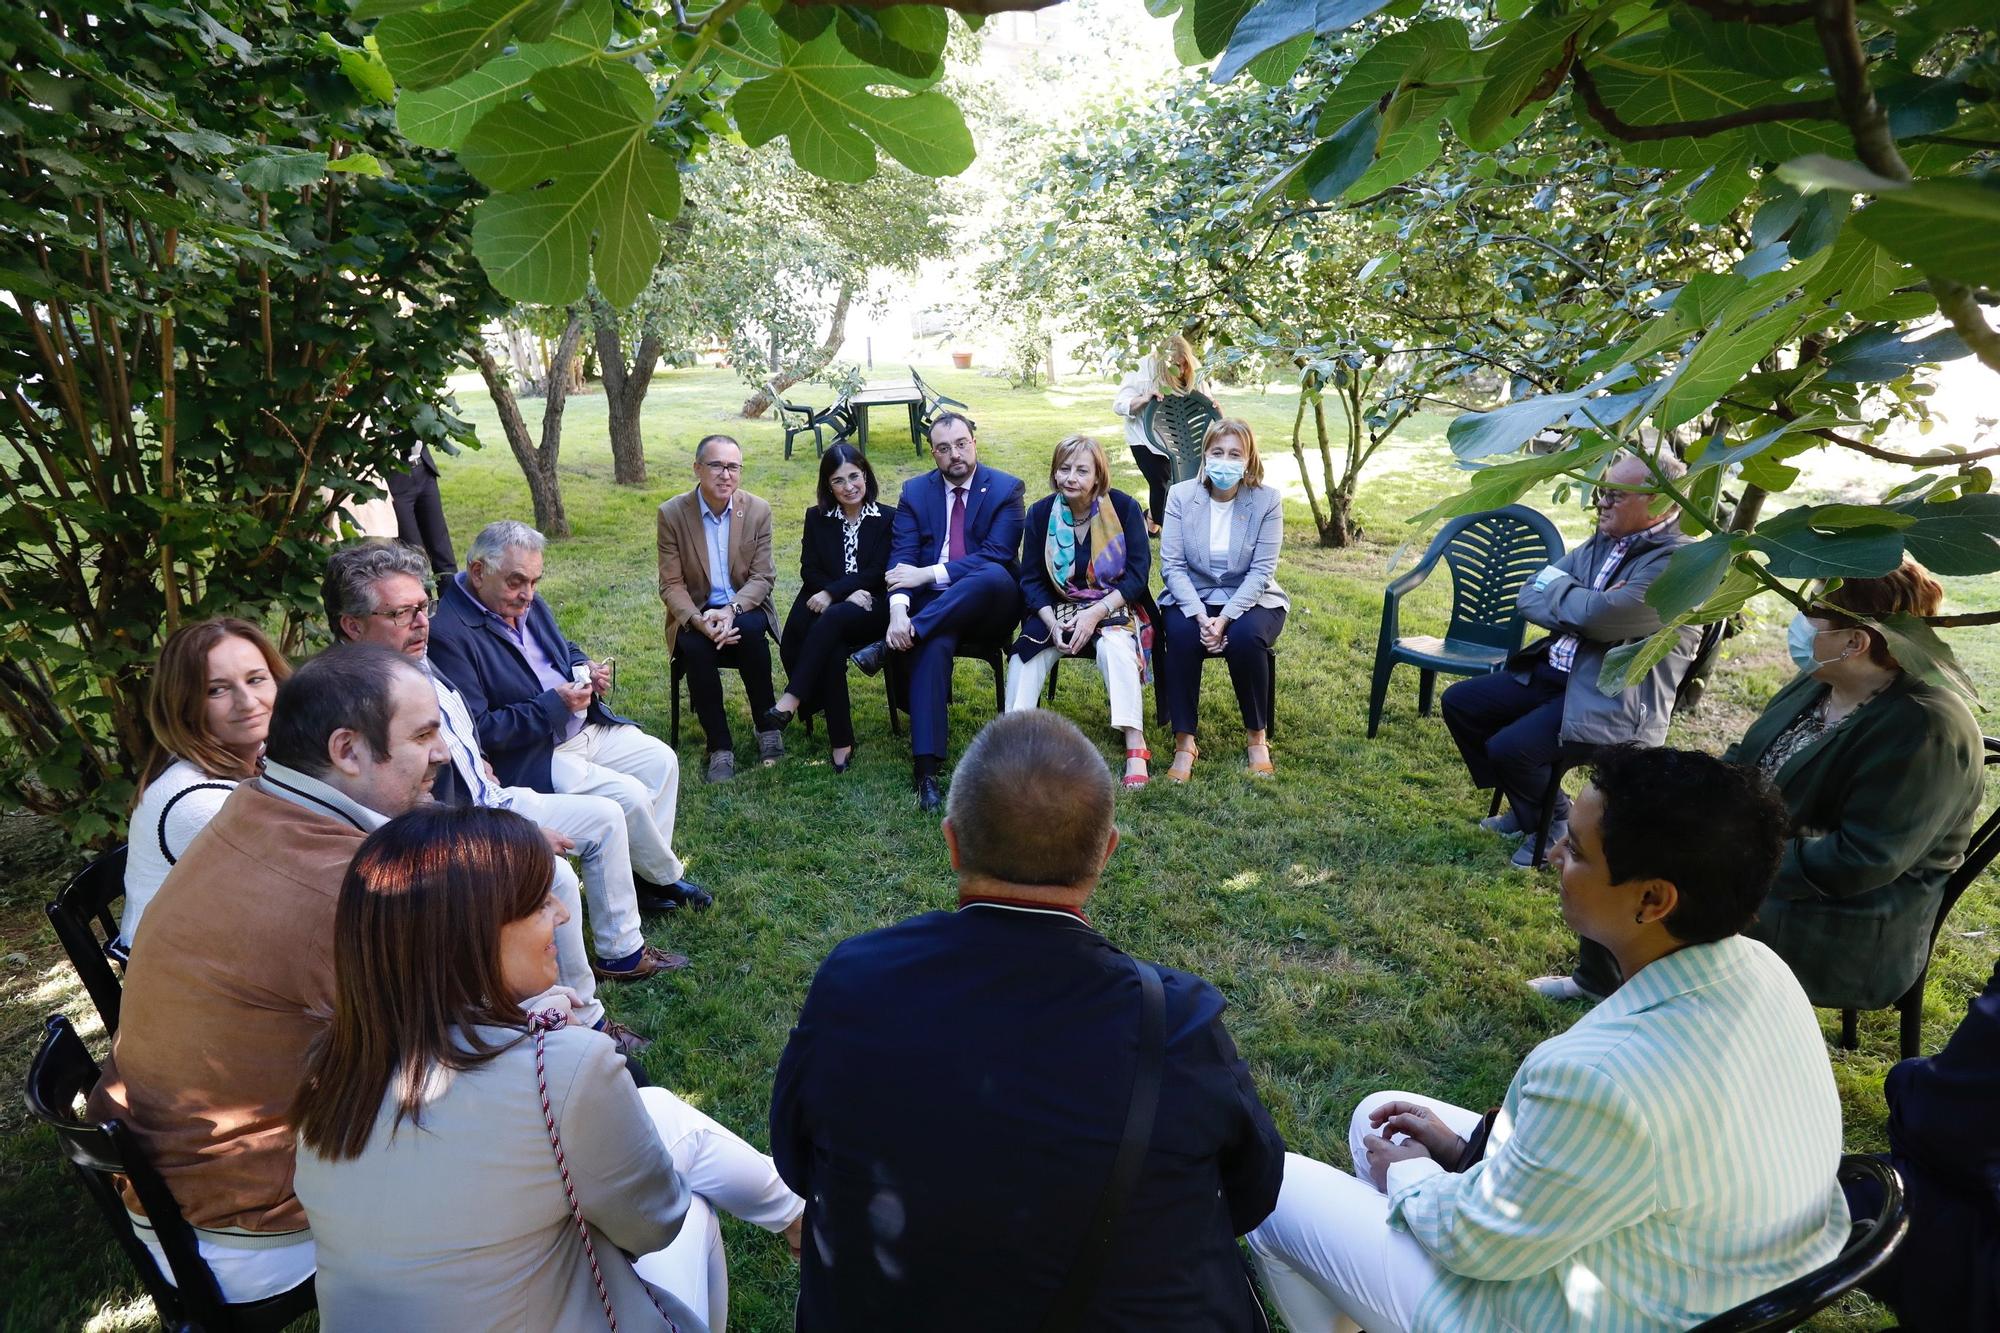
(1220, 513)
(174, 807)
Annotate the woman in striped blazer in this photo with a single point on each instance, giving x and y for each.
(1671, 1155)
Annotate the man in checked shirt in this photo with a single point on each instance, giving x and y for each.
(1510, 724)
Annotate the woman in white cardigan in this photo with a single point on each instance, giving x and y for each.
(1218, 556)
(470, 1160)
(209, 707)
(1173, 369)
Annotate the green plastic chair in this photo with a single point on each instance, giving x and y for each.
(1177, 424)
(1490, 556)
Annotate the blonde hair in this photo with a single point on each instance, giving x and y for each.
(1174, 347)
(177, 699)
(1070, 446)
(1253, 465)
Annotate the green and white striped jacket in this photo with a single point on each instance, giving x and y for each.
(1670, 1156)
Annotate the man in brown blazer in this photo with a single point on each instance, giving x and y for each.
(716, 577)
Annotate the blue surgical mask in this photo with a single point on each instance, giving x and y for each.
(1799, 641)
(1223, 473)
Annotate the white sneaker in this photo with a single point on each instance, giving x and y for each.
(1559, 988)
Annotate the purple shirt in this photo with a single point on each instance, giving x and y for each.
(548, 674)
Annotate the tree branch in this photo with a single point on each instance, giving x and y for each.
(1731, 12)
(1965, 621)
(1817, 108)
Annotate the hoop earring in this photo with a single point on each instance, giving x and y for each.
(1638, 918)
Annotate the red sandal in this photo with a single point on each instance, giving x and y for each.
(1134, 781)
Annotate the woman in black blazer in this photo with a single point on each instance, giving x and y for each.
(1085, 559)
(842, 603)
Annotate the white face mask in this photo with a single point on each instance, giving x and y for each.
(1799, 640)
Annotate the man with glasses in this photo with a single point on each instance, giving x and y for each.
(952, 572)
(1510, 724)
(378, 592)
(538, 702)
(716, 578)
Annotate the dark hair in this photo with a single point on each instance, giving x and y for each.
(831, 462)
(347, 686)
(416, 965)
(706, 440)
(1907, 590)
(945, 419)
(1713, 830)
(1032, 802)
(177, 696)
(353, 571)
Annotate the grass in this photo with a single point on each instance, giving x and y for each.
(1365, 933)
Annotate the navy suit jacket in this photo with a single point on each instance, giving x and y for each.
(992, 522)
(518, 720)
(949, 1106)
(1944, 1137)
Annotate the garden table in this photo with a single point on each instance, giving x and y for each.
(888, 395)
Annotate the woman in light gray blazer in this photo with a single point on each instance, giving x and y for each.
(1218, 554)
(431, 1113)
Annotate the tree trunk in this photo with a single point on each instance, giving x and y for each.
(1299, 455)
(624, 391)
(538, 462)
(1338, 528)
(758, 403)
(1748, 510)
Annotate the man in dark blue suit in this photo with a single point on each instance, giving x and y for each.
(958, 1088)
(952, 573)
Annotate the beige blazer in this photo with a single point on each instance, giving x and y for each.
(684, 574)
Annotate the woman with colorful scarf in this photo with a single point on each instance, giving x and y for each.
(1084, 564)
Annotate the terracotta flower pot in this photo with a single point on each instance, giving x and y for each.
(961, 360)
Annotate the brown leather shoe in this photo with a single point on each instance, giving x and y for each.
(629, 1042)
(651, 961)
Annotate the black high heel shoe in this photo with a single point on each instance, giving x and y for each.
(842, 765)
(777, 719)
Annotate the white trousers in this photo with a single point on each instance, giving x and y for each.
(638, 771)
(572, 959)
(1329, 1257)
(722, 1171)
(596, 825)
(1117, 662)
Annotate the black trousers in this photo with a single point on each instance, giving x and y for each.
(702, 663)
(420, 517)
(1247, 649)
(1509, 732)
(1158, 470)
(814, 650)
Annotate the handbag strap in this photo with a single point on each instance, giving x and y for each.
(539, 1024)
(1084, 1275)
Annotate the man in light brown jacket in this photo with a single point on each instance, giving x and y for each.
(235, 975)
(716, 578)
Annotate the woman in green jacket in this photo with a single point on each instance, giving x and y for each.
(1881, 772)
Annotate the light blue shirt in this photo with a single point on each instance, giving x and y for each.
(1670, 1156)
(716, 526)
(549, 674)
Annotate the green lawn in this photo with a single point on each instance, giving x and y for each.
(1366, 934)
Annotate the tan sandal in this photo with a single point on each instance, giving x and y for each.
(1259, 768)
(1181, 772)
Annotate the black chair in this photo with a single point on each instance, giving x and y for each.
(88, 930)
(1979, 854)
(1575, 754)
(1178, 423)
(933, 405)
(1869, 1246)
(1490, 557)
(676, 672)
(61, 1073)
(993, 653)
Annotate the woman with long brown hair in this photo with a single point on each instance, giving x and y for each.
(1172, 369)
(209, 708)
(468, 1159)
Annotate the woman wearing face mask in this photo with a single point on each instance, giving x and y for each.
(209, 708)
(1083, 580)
(1218, 554)
(843, 558)
(1881, 772)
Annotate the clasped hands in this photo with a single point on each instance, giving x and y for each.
(821, 600)
(719, 624)
(1424, 1136)
(1080, 629)
(1214, 632)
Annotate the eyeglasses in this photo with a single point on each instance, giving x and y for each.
(1602, 497)
(724, 468)
(401, 616)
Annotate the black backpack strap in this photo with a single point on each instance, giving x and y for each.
(160, 829)
(1068, 1310)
